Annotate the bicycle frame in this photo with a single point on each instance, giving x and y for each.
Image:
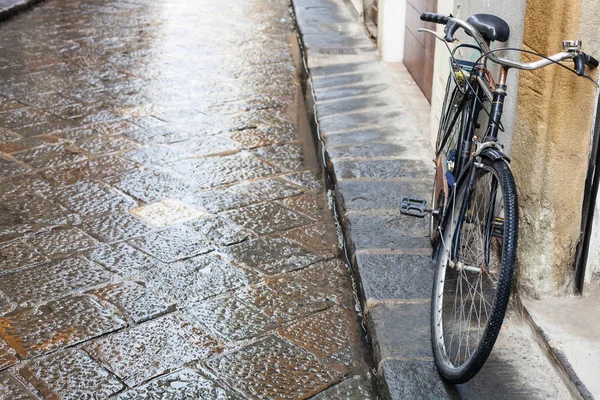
(466, 160)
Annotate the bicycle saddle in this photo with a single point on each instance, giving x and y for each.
(491, 27)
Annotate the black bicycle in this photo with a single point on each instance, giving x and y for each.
(474, 217)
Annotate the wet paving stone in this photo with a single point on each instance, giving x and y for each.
(216, 171)
(17, 254)
(244, 194)
(210, 146)
(10, 167)
(271, 368)
(272, 255)
(60, 242)
(332, 335)
(267, 218)
(252, 138)
(57, 324)
(49, 156)
(173, 244)
(157, 155)
(105, 145)
(198, 278)
(12, 226)
(354, 388)
(22, 144)
(123, 259)
(7, 357)
(70, 375)
(51, 280)
(93, 198)
(302, 293)
(134, 300)
(22, 117)
(313, 206)
(219, 230)
(25, 186)
(153, 348)
(159, 134)
(321, 238)
(230, 318)
(305, 179)
(179, 385)
(285, 298)
(96, 168)
(287, 157)
(40, 210)
(12, 388)
(166, 212)
(115, 227)
(153, 185)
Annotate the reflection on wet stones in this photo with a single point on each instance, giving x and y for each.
(180, 385)
(16, 254)
(133, 300)
(7, 358)
(272, 255)
(123, 259)
(271, 368)
(198, 278)
(244, 194)
(173, 244)
(151, 349)
(267, 218)
(12, 388)
(231, 318)
(216, 171)
(51, 280)
(57, 324)
(70, 375)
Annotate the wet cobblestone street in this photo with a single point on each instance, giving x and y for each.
(164, 229)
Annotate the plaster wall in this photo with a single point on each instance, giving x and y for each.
(551, 146)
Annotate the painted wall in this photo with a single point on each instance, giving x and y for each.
(513, 12)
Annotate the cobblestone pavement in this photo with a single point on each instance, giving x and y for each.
(162, 234)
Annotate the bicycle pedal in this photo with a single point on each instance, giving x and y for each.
(413, 207)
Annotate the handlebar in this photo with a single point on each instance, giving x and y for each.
(580, 58)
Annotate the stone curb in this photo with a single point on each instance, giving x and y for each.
(371, 143)
(9, 8)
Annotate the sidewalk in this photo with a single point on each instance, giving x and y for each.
(372, 120)
(164, 231)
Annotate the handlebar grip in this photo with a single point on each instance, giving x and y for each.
(581, 60)
(435, 18)
(591, 62)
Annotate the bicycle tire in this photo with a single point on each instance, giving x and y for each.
(453, 367)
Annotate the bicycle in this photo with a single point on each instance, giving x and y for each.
(474, 217)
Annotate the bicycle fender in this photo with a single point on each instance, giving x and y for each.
(493, 152)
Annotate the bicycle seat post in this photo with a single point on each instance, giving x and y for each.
(499, 94)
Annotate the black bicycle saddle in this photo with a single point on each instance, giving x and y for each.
(491, 27)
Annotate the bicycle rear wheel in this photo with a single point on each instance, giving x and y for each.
(472, 288)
